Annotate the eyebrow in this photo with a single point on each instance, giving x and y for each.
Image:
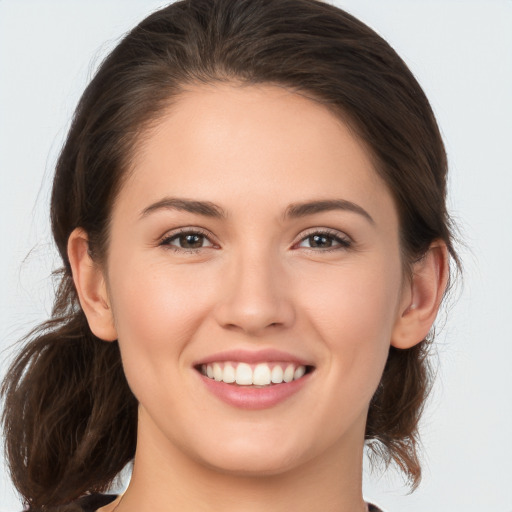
(293, 211)
(206, 208)
(297, 210)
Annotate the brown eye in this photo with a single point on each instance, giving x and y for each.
(188, 240)
(320, 241)
(325, 241)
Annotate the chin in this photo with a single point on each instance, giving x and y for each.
(244, 467)
(248, 458)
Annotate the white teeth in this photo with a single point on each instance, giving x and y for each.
(261, 375)
(244, 375)
(299, 372)
(277, 374)
(288, 373)
(217, 372)
(229, 374)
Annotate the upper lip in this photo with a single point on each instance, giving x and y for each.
(252, 356)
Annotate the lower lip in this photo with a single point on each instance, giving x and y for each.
(251, 397)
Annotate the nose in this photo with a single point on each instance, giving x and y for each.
(255, 298)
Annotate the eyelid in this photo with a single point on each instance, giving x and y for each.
(344, 240)
(187, 230)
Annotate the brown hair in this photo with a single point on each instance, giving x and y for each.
(70, 417)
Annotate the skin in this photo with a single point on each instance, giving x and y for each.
(257, 282)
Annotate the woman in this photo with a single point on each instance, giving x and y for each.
(250, 210)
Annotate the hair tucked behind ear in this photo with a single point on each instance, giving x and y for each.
(70, 418)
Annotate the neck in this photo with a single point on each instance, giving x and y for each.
(168, 479)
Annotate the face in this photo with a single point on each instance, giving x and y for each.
(254, 276)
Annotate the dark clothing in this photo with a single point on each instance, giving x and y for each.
(95, 501)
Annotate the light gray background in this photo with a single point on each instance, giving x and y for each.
(461, 52)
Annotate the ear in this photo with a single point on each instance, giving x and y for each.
(91, 287)
(422, 297)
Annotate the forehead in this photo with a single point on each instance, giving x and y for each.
(217, 142)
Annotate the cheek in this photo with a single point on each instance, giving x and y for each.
(154, 303)
(355, 300)
(157, 312)
(354, 317)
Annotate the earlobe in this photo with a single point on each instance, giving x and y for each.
(91, 287)
(422, 301)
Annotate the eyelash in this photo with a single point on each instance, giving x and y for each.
(166, 240)
(343, 241)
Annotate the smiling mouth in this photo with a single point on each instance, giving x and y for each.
(256, 375)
